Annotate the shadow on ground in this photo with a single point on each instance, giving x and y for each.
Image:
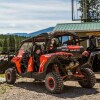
(68, 91)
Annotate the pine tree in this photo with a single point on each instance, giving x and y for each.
(90, 10)
(17, 42)
(0, 43)
(5, 45)
(11, 43)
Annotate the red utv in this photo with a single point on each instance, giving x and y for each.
(34, 61)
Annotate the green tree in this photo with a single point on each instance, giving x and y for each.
(0, 43)
(90, 10)
(17, 42)
(11, 43)
(5, 45)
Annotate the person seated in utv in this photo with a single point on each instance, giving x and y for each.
(84, 57)
(37, 54)
(52, 46)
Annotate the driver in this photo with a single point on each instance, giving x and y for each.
(84, 57)
(85, 54)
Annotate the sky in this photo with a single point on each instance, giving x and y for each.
(32, 15)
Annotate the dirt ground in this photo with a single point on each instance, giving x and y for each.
(27, 89)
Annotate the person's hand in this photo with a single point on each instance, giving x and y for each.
(38, 51)
(85, 53)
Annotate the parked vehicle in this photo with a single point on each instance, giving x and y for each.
(33, 61)
(68, 39)
(4, 62)
(93, 60)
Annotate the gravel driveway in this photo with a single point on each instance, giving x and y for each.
(27, 89)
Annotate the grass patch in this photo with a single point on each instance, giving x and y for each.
(4, 88)
(2, 75)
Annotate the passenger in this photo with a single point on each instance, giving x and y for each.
(53, 45)
(37, 54)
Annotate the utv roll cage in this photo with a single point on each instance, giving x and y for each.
(47, 36)
(74, 39)
(64, 33)
(39, 38)
(72, 35)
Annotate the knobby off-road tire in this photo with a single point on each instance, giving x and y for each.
(54, 82)
(89, 79)
(10, 75)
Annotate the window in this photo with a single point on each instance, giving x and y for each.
(65, 38)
